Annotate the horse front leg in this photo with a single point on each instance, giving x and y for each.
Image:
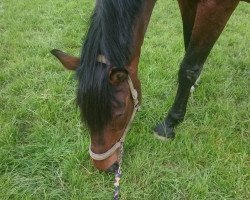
(211, 18)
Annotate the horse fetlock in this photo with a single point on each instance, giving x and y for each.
(174, 118)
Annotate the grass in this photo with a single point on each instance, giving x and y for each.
(43, 146)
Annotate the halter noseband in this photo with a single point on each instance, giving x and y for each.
(119, 143)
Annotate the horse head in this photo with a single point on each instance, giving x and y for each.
(107, 135)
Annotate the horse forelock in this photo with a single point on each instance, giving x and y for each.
(110, 34)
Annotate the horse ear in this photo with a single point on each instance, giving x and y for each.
(118, 75)
(69, 62)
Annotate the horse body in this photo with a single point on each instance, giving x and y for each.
(116, 32)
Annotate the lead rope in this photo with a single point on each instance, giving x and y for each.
(118, 175)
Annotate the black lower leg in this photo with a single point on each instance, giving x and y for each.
(188, 74)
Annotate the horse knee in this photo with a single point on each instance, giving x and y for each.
(188, 75)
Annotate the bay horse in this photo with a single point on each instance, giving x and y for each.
(109, 90)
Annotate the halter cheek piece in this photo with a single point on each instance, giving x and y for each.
(119, 143)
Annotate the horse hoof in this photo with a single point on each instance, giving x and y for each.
(164, 132)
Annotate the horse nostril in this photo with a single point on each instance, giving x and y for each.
(113, 168)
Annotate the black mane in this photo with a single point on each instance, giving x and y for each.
(110, 34)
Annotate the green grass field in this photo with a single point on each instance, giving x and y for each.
(43, 146)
